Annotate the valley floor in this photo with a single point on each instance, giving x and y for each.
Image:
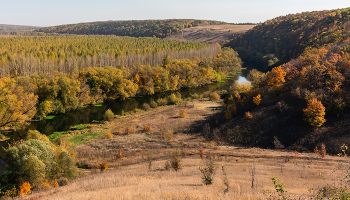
(139, 172)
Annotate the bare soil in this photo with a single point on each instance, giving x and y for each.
(210, 33)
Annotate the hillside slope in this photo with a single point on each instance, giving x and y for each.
(278, 40)
(303, 103)
(210, 33)
(133, 28)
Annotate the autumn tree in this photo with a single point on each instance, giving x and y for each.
(276, 76)
(314, 113)
(16, 105)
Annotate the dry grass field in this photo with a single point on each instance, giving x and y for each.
(139, 173)
(210, 33)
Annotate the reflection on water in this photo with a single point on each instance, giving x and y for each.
(242, 79)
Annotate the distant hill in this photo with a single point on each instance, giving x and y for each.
(211, 33)
(133, 28)
(278, 40)
(9, 27)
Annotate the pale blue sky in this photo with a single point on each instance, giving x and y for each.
(49, 13)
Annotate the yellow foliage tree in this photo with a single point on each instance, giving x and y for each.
(257, 99)
(276, 76)
(24, 189)
(314, 113)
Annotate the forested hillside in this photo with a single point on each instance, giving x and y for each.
(278, 40)
(133, 28)
(300, 105)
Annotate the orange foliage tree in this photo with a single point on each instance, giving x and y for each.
(276, 76)
(314, 113)
(257, 99)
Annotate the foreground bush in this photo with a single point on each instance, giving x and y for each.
(175, 159)
(35, 161)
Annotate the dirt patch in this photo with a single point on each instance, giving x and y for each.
(211, 33)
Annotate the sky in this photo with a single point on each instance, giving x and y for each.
(51, 13)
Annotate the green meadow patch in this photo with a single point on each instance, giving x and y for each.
(56, 134)
(98, 105)
(50, 117)
(79, 127)
(221, 81)
(83, 138)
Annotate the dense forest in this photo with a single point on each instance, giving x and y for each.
(37, 94)
(303, 103)
(133, 28)
(278, 40)
(29, 55)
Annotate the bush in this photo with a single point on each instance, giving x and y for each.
(162, 102)
(174, 99)
(66, 163)
(153, 104)
(169, 135)
(147, 128)
(314, 113)
(146, 107)
(34, 134)
(214, 96)
(109, 115)
(103, 166)
(24, 189)
(257, 99)
(206, 94)
(175, 159)
(32, 158)
(208, 171)
(130, 130)
(108, 135)
(62, 181)
(183, 113)
(195, 96)
(248, 115)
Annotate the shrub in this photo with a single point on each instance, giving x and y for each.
(228, 114)
(147, 128)
(130, 130)
(174, 99)
(321, 151)
(162, 102)
(146, 106)
(55, 184)
(24, 189)
(248, 115)
(167, 165)
(66, 163)
(183, 113)
(169, 135)
(103, 166)
(175, 159)
(62, 181)
(108, 135)
(153, 104)
(195, 96)
(314, 113)
(206, 94)
(214, 96)
(257, 99)
(31, 159)
(34, 134)
(208, 171)
(201, 152)
(109, 115)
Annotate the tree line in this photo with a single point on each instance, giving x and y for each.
(133, 28)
